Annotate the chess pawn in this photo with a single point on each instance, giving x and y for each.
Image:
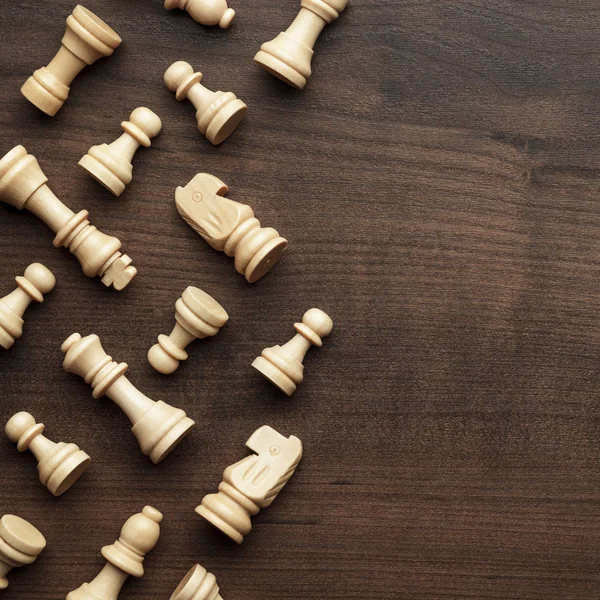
(282, 365)
(35, 282)
(198, 584)
(206, 12)
(252, 483)
(24, 186)
(198, 315)
(289, 55)
(229, 226)
(110, 165)
(59, 465)
(157, 426)
(87, 38)
(20, 544)
(218, 113)
(124, 558)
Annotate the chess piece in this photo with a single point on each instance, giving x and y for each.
(87, 38)
(229, 226)
(289, 55)
(218, 113)
(59, 465)
(198, 584)
(198, 315)
(206, 12)
(157, 426)
(124, 558)
(35, 282)
(282, 365)
(24, 185)
(252, 483)
(110, 165)
(20, 544)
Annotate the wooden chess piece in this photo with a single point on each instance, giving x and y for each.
(35, 282)
(20, 544)
(157, 426)
(124, 558)
(206, 12)
(86, 39)
(218, 113)
(282, 365)
(110, 165)
(229, 226)
(198, 584)
(59, 465)
(198, 315)
(252, 483)
(24, 185)
(289, 55)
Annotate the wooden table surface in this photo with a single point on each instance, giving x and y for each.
(438, 181)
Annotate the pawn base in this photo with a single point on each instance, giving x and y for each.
(274, 375)
(102, 174)
(68, 473)
(225, 122)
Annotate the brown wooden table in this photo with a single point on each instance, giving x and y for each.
(438, 181)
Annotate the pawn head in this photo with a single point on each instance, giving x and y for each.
(177, 73)
(17, 425)
(227, 18)
(162, 361)
(318, 321)
(148, 121)
(41, 277)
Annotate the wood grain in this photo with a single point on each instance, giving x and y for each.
(438, 182)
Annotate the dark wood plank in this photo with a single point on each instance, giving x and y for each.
(438, 181)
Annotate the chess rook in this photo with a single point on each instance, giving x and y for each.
(198, 315)
(229, 226)
(87, 38)
(198, 584)
(252, 483)
(35, 282)
(157, 426)
(282, 365)
(24, 186)
(289, 55)
(59, 465)
(206, 12)
(20, 544)
(218, 113)
(124, 558)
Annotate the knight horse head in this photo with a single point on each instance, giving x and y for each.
(203, 207)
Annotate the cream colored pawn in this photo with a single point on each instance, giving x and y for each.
(198, 315)
(282, 365)
(157, 426)
(20, 544)
(218, 113)
(87, 38)
(125, 557)
(33, 285)
(289, 55)
(252, 483)
(198, 584)
(229, 226)
(110, 165)
(24, 186)
(206, 12)
(59, 465)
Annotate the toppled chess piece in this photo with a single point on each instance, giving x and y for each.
(87, 38)
(218, 113)
(289, 55)
(252, 483)
(198, 584)
(282, 365)
(59, 465)
(124, 558)
(158, 426)
(229, 226)
(110, 165)
(206, 12)
(198, 315)
(20, 544)
(33, 285)
(24, 186)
